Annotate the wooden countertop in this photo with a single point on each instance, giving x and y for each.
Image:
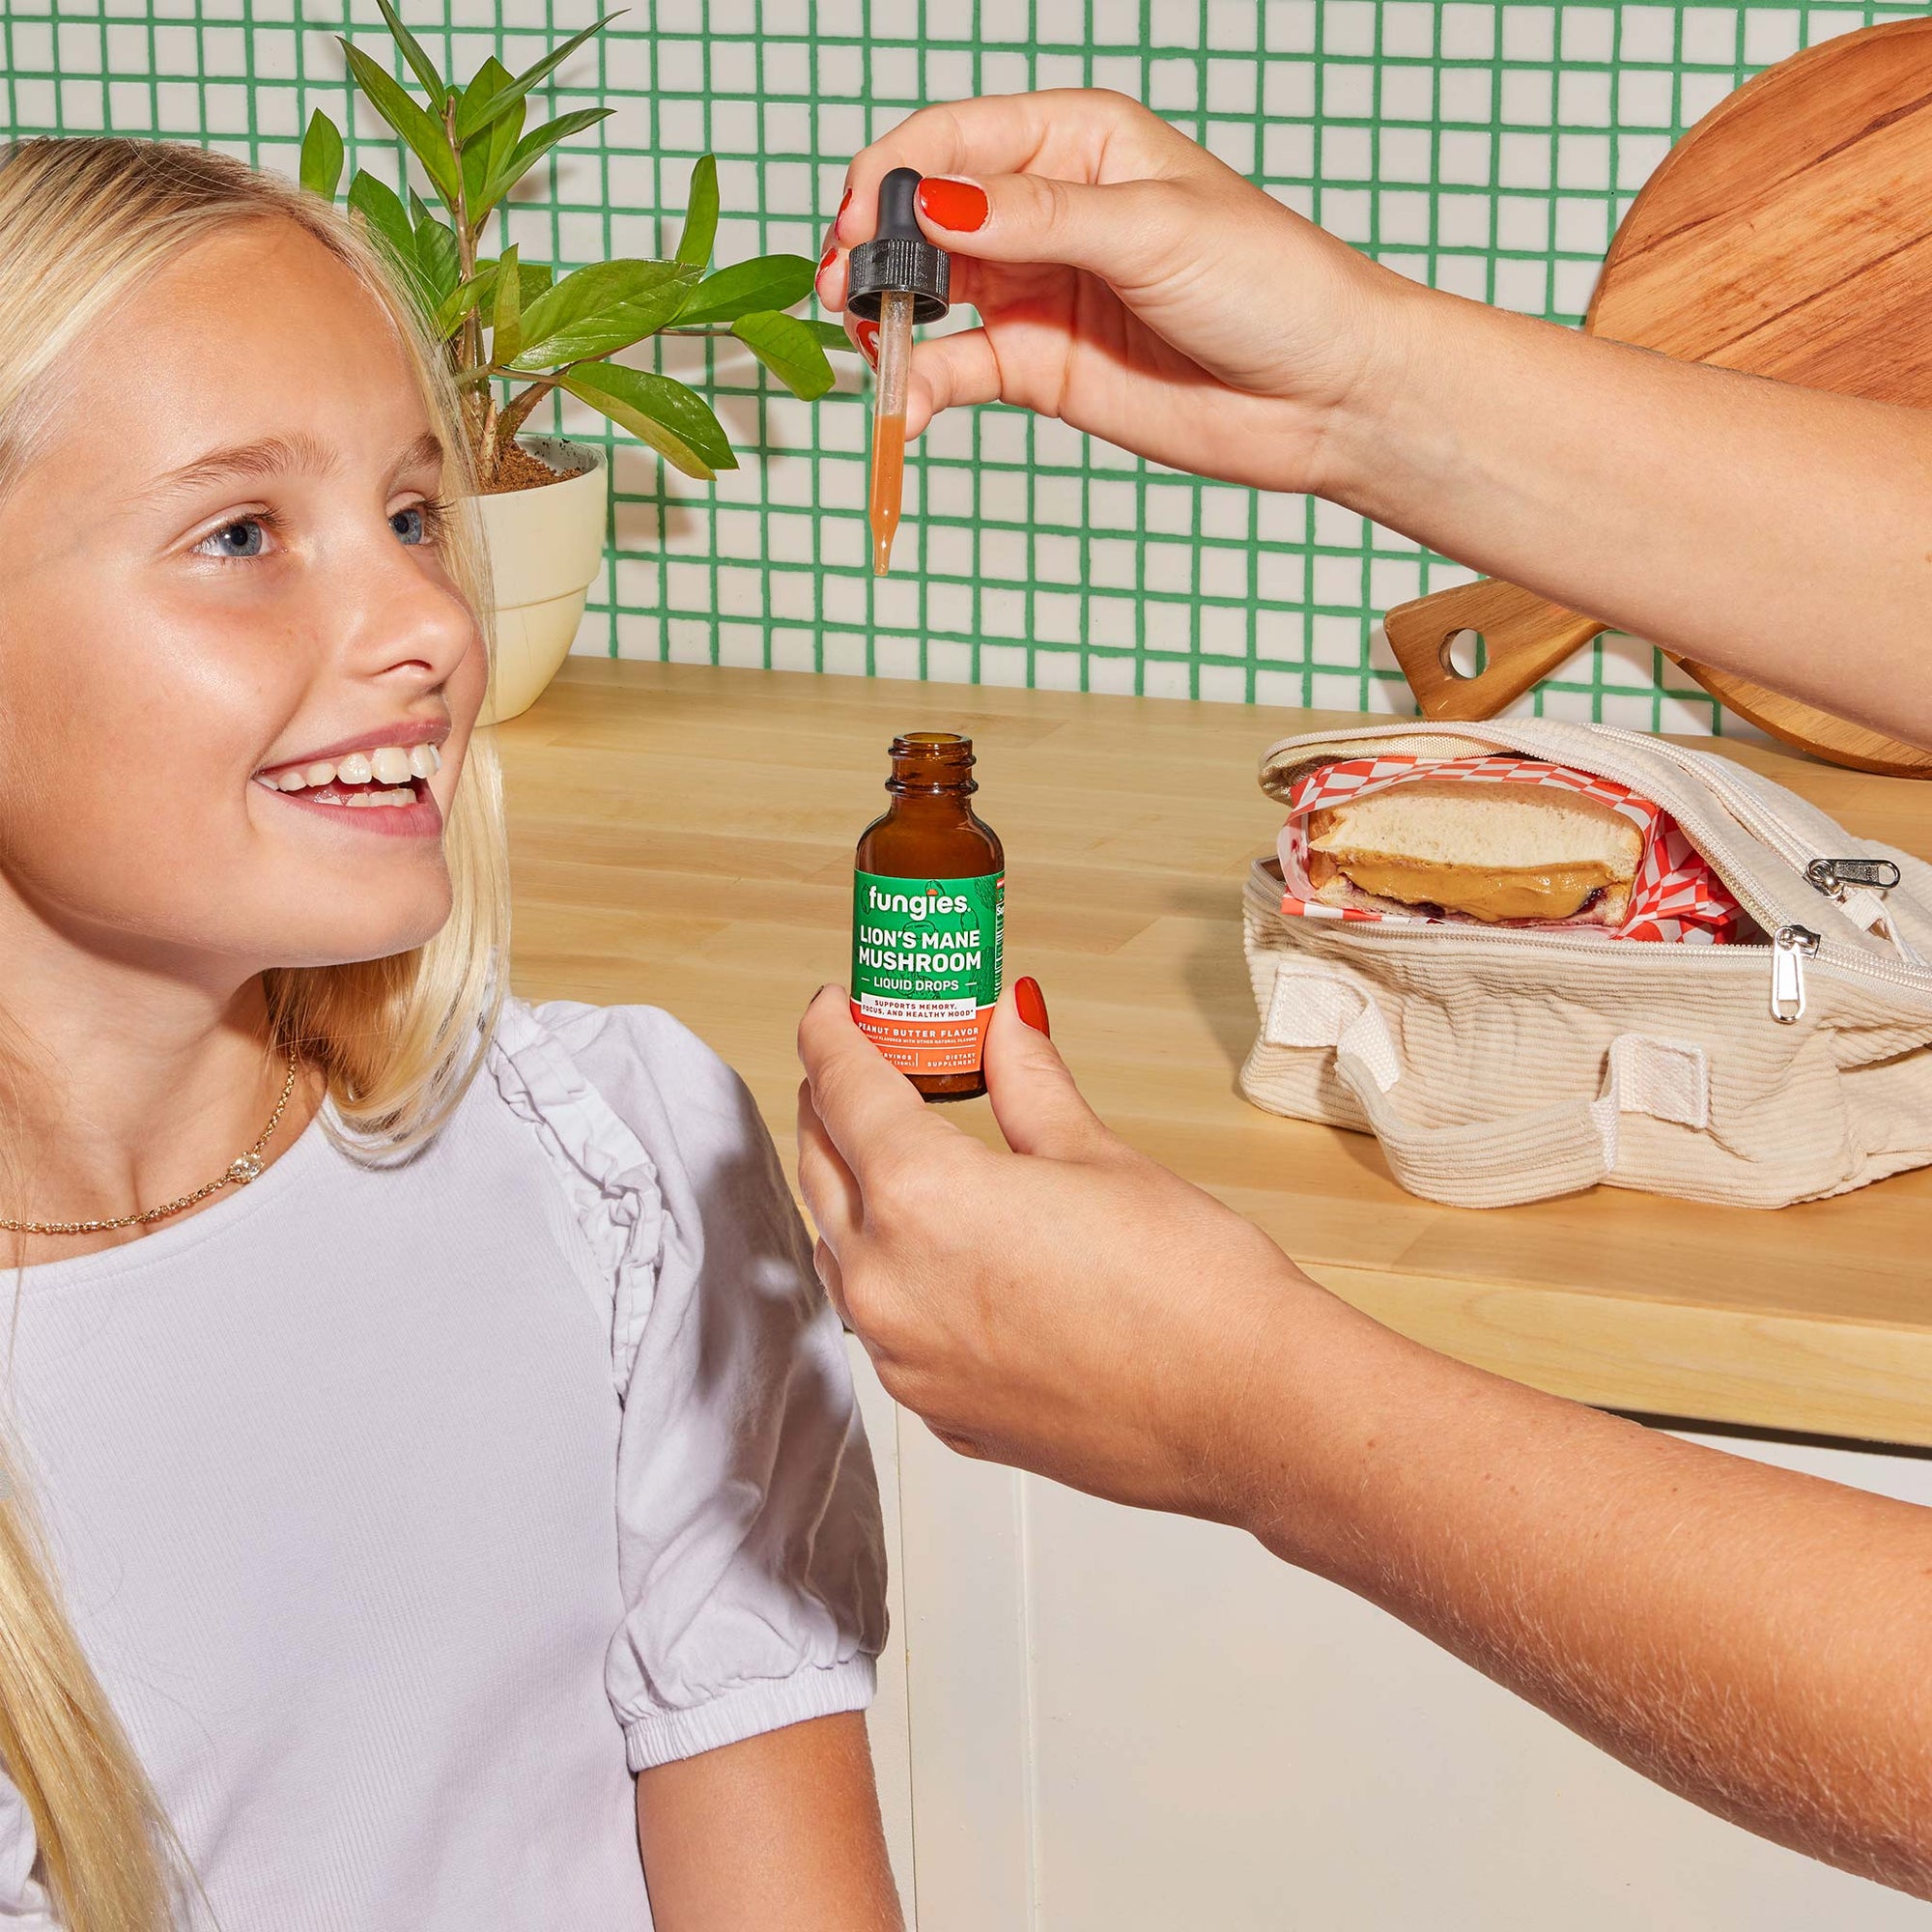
(682, 835)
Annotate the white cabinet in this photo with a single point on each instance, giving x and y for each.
(1103, 1720)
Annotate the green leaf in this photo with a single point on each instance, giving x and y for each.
(534, 144)
(437, 254)
(422, 132)
(376, 202)
(766, 281)
(484, 85)
(471, 120)
(700, 215)
(676, 421)
(789, 349)
(480, 157)
(828, 334)
(461, 300)
(603, 307)
(322, 157)
(531, 282)
(507, 325)
(419, 62)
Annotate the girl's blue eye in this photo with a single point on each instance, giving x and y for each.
(242, 538)
(411, 525)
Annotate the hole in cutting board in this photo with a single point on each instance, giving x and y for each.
(1466, 654)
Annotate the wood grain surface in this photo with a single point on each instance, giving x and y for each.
(1788, 234)
(683, 834)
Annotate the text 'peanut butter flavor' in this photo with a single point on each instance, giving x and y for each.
(928, 910)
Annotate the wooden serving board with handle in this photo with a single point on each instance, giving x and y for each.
(1789, 234)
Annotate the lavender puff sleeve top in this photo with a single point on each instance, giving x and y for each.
(406, 1510)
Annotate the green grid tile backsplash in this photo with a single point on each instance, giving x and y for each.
(1489, 148)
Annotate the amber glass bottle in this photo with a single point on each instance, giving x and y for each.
(929, 906)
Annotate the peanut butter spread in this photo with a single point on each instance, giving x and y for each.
(1542, 892)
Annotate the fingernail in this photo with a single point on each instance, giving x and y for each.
(1031, 1004)
(826, 259)
(868, 333)
(958, 205)
(841, 216)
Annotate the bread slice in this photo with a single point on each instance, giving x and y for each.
(1482, 851)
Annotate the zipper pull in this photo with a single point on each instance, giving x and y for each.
(1833, 875)
(1790, 946)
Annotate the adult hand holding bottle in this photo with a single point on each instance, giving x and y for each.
(1749, 1637)
(1135, 287)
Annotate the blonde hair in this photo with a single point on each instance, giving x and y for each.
(83, 222)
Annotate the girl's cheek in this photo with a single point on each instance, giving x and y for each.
(468, 684)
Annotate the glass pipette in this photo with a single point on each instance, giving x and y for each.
(889, 407)
(896, 279)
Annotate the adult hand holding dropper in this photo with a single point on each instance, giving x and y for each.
(1137, 288)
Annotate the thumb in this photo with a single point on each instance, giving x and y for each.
(1124, 231)
(1034, 1100)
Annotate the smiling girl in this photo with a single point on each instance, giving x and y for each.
(433, 1423)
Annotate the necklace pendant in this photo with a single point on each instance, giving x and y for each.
(243, 1168)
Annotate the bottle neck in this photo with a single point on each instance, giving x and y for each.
(930, 806)
(927, 783)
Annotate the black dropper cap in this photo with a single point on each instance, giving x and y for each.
(898, 257)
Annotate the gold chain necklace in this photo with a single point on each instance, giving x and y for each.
(241, 1170)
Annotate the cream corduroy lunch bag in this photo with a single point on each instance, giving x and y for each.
(1501, 1064)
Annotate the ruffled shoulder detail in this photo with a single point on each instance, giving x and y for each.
(609, 1178)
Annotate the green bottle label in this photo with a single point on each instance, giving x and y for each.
(925, 967)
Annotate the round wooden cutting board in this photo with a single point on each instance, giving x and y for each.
(1789, 234)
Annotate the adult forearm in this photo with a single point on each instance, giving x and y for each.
(1749, 1637)
(1780, 532)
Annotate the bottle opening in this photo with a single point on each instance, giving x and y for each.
(931, 760)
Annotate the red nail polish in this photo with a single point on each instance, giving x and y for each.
(961, 206)
(841, 216)
(868, 333)
(825, 260)
(1031, 1004)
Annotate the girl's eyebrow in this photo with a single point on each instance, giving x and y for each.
(279, 455)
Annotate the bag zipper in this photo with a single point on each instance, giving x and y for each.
(1833, 875)
(1856, 886)
(1790, 946)
(1869, 878)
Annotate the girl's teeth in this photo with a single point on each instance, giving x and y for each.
(359, 800)
(386, 765)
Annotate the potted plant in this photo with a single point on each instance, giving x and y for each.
(515, 330)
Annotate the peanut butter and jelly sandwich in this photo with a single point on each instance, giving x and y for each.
(1488, 852)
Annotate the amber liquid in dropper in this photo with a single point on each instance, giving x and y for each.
(889, 407)
(888, 487)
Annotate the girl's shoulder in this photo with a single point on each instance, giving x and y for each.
(650, 1136)
(616, 1075)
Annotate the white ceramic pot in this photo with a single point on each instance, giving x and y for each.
(545, 548)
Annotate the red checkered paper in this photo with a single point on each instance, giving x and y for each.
(1676, 898)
